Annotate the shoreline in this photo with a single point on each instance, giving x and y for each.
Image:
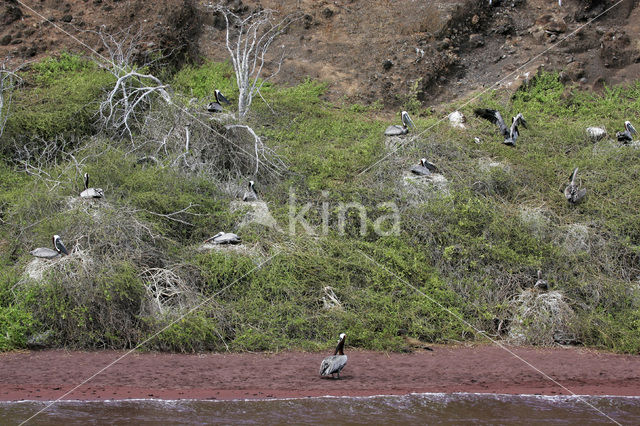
(48, 375)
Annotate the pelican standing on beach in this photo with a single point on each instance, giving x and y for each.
(572, 192)
(335, 363)
(90, 192)
(217, 106)
(251, 194)
(627, 135)
(47, 253)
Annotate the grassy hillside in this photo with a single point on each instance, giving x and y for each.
(472, 246)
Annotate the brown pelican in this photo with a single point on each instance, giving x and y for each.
(513, 131)
(216, 106)
(572, 192)
(224, 238)
(48, 253)
(425, 168)
(396, 130)
(335, 363)
(90, 192)
(627, 135)
(541, 284)
(251, 194)
(510, 134)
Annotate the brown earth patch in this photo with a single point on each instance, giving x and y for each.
(48, 375)
(365, 50)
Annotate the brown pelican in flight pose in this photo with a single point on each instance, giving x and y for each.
(90, 192)
(541, 284)
(425, 168)
(48, 253)
(510, 133)
(335, 363)
(627, 135)
(572, 192)
(251, 194)
(224, 238)
(396, 130)
(216, 106)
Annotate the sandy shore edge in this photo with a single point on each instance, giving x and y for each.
(52, 374)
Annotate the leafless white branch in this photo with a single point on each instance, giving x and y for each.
(134, 89)
(248, 40)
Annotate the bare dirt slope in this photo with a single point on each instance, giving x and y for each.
(366, 50)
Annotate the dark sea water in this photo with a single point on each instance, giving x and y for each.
(459, 408)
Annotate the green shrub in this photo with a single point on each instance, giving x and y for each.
(58, 100)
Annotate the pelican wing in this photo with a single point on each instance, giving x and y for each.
(214, 107)
(624, 136)
(420, 171)
(250, 196)
(579, 195)
(44, 252)
(60, 246)
(520, 120)
(432, 167)
(221, 98)
(332, 364)
(493, 116)
(226, 238)
(395, 130)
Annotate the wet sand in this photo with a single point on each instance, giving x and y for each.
(48, 375)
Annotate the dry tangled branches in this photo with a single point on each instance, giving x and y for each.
(539, 317)
(134, 90)
(168, 291)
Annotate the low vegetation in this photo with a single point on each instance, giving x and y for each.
(468, 250)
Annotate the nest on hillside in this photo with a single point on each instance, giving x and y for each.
(540, 317)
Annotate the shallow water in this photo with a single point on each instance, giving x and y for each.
(459, 408)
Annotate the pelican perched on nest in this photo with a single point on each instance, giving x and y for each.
(425, 168)
(572, 192)
(335, 363)
(541, 284)
(48, 253)
(251, 194)
(224, 238)
(510, 133)
(627, 135)
(90, 192)
(216, 106)
(396, 130)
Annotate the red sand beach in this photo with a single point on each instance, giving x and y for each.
(47, 375)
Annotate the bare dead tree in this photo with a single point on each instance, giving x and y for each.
(248, 40)
(9, 81)
(134, 90)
